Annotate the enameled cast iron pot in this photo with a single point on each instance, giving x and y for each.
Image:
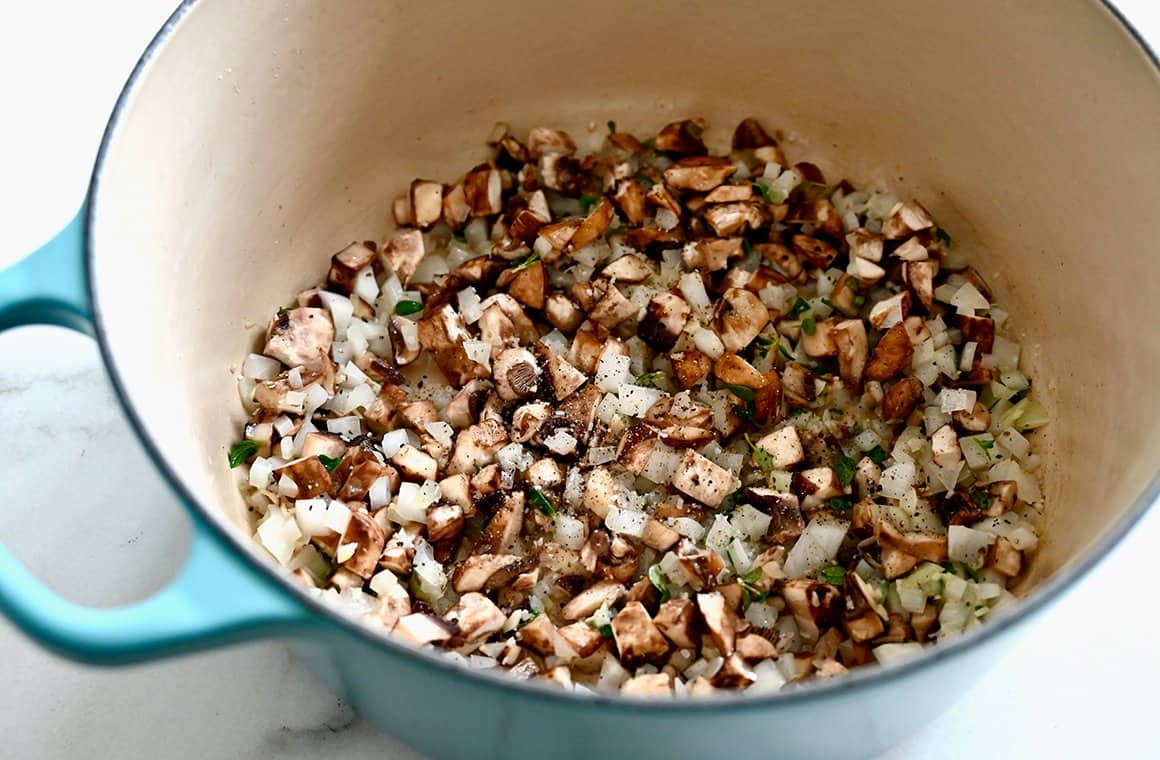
(254, 139)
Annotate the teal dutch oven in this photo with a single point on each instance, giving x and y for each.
(253, 140)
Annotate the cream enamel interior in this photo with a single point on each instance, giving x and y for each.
(265, 136)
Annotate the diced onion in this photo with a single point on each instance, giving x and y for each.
(612, 371)
(956, 399)
(708, 343)
(693, 289)
(380, 493)
(897, 480)
(348, 427)
(341, 311)
(469, 305)
(258, 367)
(635, 400)
(261, 472)
(570, 531)
(968, 300)
(751, 523)
(279, 534)
(816, 547)
(967, 544)
(365, 286)
(687, 527)
(393, 441)
(897, 652)
(625, 521)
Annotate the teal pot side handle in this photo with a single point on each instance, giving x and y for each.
(215, 599)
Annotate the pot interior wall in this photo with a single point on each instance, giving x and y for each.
(265, 136)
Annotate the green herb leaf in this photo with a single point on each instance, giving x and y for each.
(731, 502)
(783, 350)
(747, 412)
(797, 411)
(741, 392)
(282, 310)
(829, 303)
(528, 620)
(768, 193)
(845, 467)
(877, 455)
(657, 579)
(800, 306)
(809, 326)
(242, 451)
(982, 499)
(942, 235)
(962, 568)
(605, 630)
(588, 202)
(838, 412)
(833, 574)
(522, 264)
(761, 346)
(749, 592)
(986, 445)
(761, 457)
(648, 379)
(329, 462)
(859, 300)
(541, 503)
(404, 308)
(841, 503)
(746, 246)
(611, 127)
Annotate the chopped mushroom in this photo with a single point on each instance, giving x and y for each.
(812, 604)
(346, 265)
(784, 446)
(426, 203)
(300, 337)
(481, 572)
(817, 486)
(637, 638)
(719, 621)
(1004, 558)
(891, 356)
(476, 616)
(701, 479)
(739, 318)
(404, 252)
(901, 399)
(516, 373)
(681, 137)
(592, 598)
(850, 340)
(699, 173)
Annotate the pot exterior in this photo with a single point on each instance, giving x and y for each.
(445, 716)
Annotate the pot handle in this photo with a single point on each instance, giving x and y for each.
(215, 599)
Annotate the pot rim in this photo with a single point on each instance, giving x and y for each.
(859, 679)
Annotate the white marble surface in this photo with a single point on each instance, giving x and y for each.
(82, 506)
